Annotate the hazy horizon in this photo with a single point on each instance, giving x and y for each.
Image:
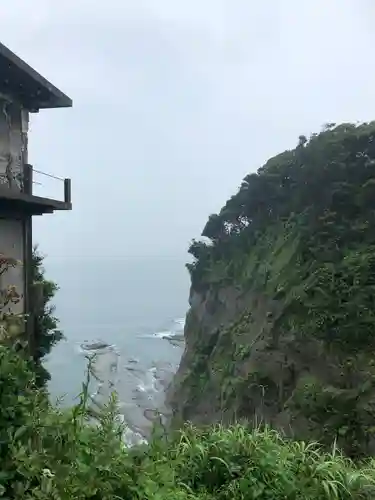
(174, 103)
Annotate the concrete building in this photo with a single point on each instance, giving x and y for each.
(22, 91)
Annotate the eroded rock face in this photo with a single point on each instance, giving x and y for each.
(239, 365)
(220, 332)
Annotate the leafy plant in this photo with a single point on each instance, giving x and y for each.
(50, 453)
(46, 329)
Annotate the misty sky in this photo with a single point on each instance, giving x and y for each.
(175, 101)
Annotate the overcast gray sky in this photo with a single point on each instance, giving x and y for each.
(175, 101)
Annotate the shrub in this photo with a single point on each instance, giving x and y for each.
(46, 324)
(48, 453)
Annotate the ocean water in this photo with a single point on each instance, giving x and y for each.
(130, 314)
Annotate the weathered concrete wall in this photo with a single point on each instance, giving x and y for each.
(13, 142)
(12, 245)
(13, 154)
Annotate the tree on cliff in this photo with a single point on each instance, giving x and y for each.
(326, 182)
(46, 332)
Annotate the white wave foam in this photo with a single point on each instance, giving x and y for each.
(180, 322)
(132, 438)
(143, 387)
(105, 374)
(176, 328)
(163, 335)
(148, 384)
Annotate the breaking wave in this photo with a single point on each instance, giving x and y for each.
(140, 387)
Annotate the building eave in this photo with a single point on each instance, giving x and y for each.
(30, 88)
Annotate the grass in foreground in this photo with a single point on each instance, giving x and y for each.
(48, 453)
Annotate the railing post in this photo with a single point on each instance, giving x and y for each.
(67, 191)
(27, 179)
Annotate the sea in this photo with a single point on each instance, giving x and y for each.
(127, 314)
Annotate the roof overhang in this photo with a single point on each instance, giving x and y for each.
(27, 86)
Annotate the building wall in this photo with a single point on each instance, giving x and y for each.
(12, 245)
(13, 142)
(13, 154)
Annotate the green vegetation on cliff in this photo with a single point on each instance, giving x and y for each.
(294, 253)
(46, 453)
(317, 198)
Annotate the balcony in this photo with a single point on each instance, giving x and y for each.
(17, 192)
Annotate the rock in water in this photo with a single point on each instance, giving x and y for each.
(93, 346)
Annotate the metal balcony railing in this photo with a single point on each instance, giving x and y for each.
(24, 181)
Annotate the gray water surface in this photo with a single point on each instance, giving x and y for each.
(122, 312)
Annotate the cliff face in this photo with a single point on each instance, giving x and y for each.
(281, 320)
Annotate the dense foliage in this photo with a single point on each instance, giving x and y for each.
(46, 324)
(299, 235)
(48, 454)
(324, 189)
(326, 183)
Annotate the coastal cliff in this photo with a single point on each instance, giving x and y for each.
(280, 328)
